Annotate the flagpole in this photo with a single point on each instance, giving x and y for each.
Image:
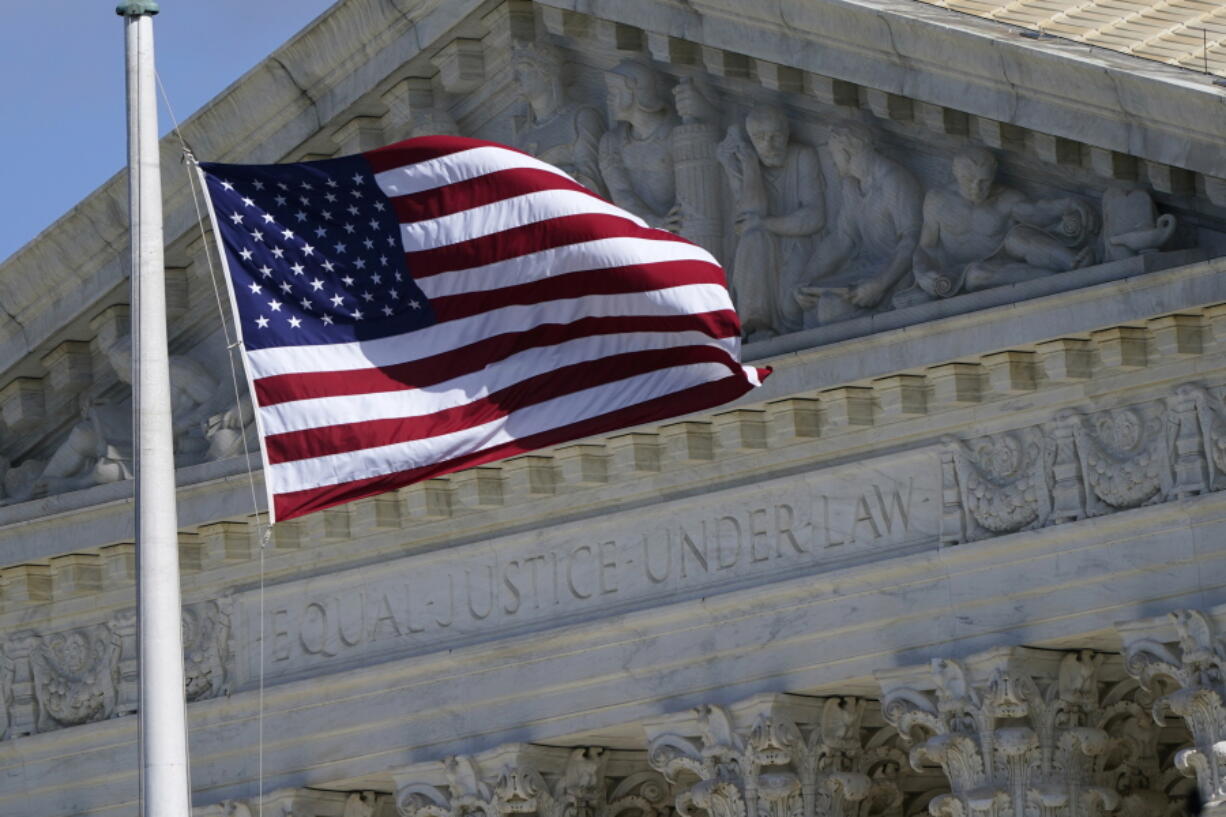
(163, 723)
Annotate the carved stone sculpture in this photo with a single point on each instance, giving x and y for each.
(1189, 678)
(76, 676)
(90, 455)
(1022, 741)
(779, 767)
(982, 234)
(565, 134)
(7, 671)
(206, 649)
(1002, 482)
(777, 192)
(867, 252)
(1131, 224)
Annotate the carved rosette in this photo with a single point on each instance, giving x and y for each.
(206, 649)
(1124, 457)
(781, 768)
(1020, 743)
(1188, 679)
(76, 676)
(579, 786)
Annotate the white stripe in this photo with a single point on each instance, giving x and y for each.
(456, 167)
(597, 254)
(497, 216)
(372, 462)
(443, 337)
(469, 388)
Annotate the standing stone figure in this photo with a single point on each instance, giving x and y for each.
(868, 250)
(984, 234)
(564, 134)
(636, 156)
(777, 193)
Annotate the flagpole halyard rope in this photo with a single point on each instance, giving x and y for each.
(264, 530)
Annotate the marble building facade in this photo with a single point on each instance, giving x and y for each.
(962, 554)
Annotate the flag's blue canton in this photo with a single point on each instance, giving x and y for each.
(314, 253)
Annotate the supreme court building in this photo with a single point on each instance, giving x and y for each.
(964, 553)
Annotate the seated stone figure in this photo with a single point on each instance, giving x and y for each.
(867, 252)
(777, 193)
(983, 234)
(563, 133)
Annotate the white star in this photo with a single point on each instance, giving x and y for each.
(320, 232)
(376, 278)
(317, 285)
(261, 322)
(415, 304)
(226, 185)
(277, 251)
(287, 233)
(248, 202)
(391, 241)
(327, 214)
(255, 288)
(357, 178)
(266, 271)
(300, 215)
(297, 268)
(339, 247)
(304, 200)
(374, 224)
(329, 266)
(349, 228)
(366, 296)
(395, 293)
(306, 186)
(307, 249)
(280, 200)
(327, 319)
(352, 210)
(285, 287)
(330, 182)
(348, 281)
(360, 263)
(387, 310)
(398, 278)
(246, 254)
(268, 219)
(295, 321)
(379, 206)
(306, 303)
(357, 194)
(368, 244)
(274, 305)
(257, 235)
(357, 314)
(383, 260)
(337, 300)
(257, 184)
(283, 185)
(331, 197)
(237, 218)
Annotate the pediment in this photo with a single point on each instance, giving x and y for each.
(1095, 168)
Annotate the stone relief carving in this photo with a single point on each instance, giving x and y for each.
(206, 649)
(1021, 742)
(1081, 465)
(1187, 677)
(868, 251)
(982, 234)
(1131, 224)
(76, 676)
(578, 787)
(562, 132)
(781, 768)
(777, 192)
(7, 673)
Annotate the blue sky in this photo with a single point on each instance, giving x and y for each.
(62, 96)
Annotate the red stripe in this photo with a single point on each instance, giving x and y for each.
(416, 374)
(609, 281)
(423, 149)
(529, 238)
(696, 398)
(342, 438)
(492, 187)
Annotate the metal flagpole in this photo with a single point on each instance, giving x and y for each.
(163, 724)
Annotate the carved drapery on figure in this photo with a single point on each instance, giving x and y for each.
(1186, 675)
(794, 757)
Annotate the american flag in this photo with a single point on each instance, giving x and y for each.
(445, 302)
